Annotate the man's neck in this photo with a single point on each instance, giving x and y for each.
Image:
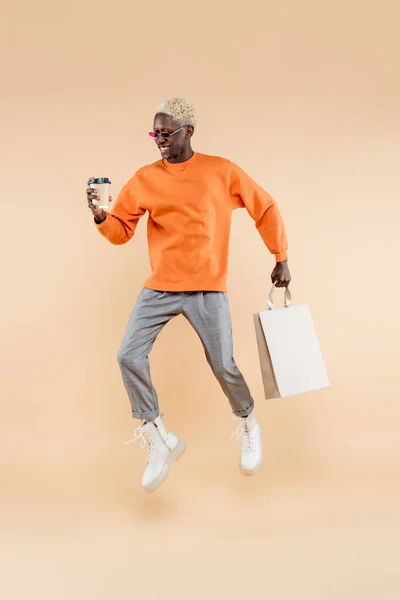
(185, 156)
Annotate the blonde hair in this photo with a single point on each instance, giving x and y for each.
(179, 109)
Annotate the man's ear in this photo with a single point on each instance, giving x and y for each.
(189, 131)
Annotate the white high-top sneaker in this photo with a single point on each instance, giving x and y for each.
(164, 449)
(251, 456)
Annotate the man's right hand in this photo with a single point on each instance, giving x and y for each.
(97, 212)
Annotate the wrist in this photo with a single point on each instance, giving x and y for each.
(100, 218)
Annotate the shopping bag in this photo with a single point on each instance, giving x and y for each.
(290, 356)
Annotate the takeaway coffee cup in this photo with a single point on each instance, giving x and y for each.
(102, 185)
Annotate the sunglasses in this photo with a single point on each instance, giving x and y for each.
(164, 134)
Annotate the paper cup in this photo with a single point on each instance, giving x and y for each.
(102, 185)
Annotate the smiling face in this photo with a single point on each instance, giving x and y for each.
(177, 147)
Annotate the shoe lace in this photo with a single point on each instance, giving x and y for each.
(139, 434)
(245, 432)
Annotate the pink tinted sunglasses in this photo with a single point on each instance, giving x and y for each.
(165, 135)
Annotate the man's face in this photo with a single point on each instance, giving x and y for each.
(175, 145)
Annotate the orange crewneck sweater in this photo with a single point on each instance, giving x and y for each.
(190, 208)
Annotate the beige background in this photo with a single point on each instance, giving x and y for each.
(305, 97)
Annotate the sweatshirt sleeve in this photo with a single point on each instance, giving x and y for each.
(246, 193)
(121, 221)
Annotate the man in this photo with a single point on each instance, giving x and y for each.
(189, 198)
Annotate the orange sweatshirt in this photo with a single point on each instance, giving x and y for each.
(190, 208)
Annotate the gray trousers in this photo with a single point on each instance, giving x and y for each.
(209, 314)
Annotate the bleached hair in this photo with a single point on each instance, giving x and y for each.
(179, 109)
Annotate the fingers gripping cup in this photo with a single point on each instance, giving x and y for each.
(102, 185)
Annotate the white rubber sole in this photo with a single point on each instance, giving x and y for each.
(252, 471)
(175, 454)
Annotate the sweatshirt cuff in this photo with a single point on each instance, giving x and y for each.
(280, 256)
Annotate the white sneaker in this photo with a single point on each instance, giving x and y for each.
(251, 456)
(164, 449)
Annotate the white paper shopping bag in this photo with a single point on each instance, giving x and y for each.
(290, 356)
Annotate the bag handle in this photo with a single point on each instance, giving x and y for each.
(288, 298)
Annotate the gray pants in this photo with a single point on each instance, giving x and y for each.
(209, 314)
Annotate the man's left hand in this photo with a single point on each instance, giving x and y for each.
(280, 276)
